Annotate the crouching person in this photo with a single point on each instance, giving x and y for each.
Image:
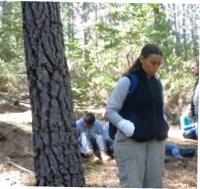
(189, 128)
(90, 138)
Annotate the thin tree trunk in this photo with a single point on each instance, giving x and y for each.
(70, 8)
(194, 31)
(176, 30)
(86, 32)
(184, 32)
(57, 159)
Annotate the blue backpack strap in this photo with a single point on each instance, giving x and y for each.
(134, 82)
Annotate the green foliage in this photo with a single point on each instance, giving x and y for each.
(74, 52)
(176, 76)
(12, 66)
(10, 31)
(12, 75)
(3, 74)
(105, 33)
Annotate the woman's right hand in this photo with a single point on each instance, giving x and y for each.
(127, 127)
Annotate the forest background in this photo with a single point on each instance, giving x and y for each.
(101, 41)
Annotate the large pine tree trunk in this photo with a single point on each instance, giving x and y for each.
(57, 159)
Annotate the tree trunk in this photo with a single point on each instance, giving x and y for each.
(57, 159)
(86, 31)
(184, 32)
(194, 31)
(176, 30)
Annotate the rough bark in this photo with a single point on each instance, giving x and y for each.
(57, 159)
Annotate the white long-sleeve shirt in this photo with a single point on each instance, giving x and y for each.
(116, 100)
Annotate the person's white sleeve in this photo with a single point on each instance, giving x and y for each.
(115, 103)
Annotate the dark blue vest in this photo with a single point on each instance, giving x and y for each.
(145, 109)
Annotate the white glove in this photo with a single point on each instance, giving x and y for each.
(127, 127)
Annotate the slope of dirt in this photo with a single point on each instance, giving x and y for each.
(16, 158)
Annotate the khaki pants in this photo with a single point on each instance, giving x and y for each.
(140, 164)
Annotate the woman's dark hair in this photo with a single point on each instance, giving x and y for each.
(89, 118)
(146, 51)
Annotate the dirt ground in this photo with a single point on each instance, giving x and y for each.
(16, 162)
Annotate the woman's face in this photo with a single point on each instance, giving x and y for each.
(195, 69)
(151, 63)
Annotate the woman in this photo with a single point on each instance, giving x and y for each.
(139, 143)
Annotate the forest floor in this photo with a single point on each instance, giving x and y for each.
(16, 162)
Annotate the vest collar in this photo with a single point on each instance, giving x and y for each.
(144, 75)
